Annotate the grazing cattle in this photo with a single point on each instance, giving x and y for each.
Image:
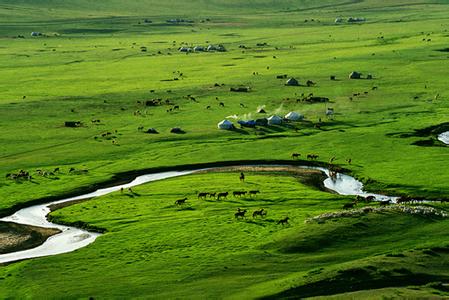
(212, 195)
(208, 107)
(349, 205)
(56, 170)
(202, 195)
(242, 105)
(295, 155)
(242, 177)
(71, 170)
(255, 192)
(261, 212)
(240, 213)
(283, 221)
(180, 201)
(222, 195)
(349, 160)
(176, 107)
(221, 104)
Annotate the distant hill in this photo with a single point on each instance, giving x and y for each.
(55, 9)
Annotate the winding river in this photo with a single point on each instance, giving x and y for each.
(72, 238)
(444, 137)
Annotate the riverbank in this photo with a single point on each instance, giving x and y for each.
(17, 237)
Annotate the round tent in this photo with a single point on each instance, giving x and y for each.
(294, 116)
(226, 125)
(355, 75)
(274, 120)
(292, 82)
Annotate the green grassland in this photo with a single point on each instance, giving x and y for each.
(89, 65)
(153, 248)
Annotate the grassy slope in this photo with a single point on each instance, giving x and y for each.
(84, 71)
(79, 70)
(202, 251)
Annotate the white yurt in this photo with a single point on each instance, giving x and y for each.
(274, 120)
(226, 125)
(294, 116)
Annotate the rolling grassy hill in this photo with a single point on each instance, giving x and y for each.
(102, 60)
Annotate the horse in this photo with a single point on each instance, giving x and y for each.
(349, 205)
(202, 195)
(261, 212)
(295, 155)
(255, 192)
(238, 193)
(385, 203)
(240, 213)
(283, 221)
(222, 195)
(180, 201)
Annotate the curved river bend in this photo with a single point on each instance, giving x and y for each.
(72, 238)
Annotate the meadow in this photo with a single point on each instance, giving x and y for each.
(102, 61)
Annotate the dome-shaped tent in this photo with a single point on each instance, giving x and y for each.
(226, 125)
(355, 75)
(274, 120)
(294, 116)
(292, 82)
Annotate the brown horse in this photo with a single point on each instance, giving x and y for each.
(240, 214)
(180, 201)
(261, 212)
(283, 221)
(242, 177)
(295, 155)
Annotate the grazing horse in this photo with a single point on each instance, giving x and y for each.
(295, 155)
(283, 221)
(385, 203)
(222, 195)
(240, 213)
(312, 156)
(202, 195)
(261, 212)
(180, 201)
(349, 205)
(370, 198)
(255, 192)
(242, 177)
(239, 193)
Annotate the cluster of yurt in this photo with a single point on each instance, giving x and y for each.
(210, 48)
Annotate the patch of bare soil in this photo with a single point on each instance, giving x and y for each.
(16, 237)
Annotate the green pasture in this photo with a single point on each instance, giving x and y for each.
(89, 65)
(153, 248)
